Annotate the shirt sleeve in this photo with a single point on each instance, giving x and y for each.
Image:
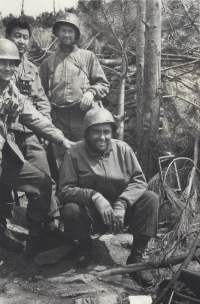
(38, 123)
(68, 184)
(41, 101)
(98, 81)
(43, 73)
(137, 185)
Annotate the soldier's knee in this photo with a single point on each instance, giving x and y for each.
(70, 211)
(152, 199)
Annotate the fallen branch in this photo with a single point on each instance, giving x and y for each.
(146, 265)
(189, 101)
(180, 65)
(184, 265)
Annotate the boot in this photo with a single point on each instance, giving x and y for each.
(85, 252)
(8, 241)
(34, 241)
(52, 231)
(143, 277)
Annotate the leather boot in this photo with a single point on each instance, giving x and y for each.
(85, 252)
(8, 241)
(52, 231)
(143, 277)
(34, 240)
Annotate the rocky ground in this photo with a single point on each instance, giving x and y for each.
(52, 277)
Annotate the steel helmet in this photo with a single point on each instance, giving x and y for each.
(67, 18)
(98, 116)
(8, 50)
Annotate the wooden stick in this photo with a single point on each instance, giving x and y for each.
(146, 265)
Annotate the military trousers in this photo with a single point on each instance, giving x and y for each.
(35, 154)
(27, 178)
(141, 218)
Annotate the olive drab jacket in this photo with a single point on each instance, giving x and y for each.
(25, 113)
(66, 76)
(116, 175)
(28, 71)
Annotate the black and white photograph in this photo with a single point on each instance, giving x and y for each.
(99, 151)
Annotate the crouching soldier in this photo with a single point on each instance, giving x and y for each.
(16, 171)
(102, 187)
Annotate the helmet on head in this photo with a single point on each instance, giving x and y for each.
(8, 50)
(98, 116)
(69, 18)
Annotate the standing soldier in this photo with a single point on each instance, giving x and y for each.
(26, 78)
(72, 78)
(17, 172)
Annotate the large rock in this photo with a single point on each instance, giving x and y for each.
(117, 246)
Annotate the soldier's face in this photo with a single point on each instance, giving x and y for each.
(66, 34)
(7, 68)
(20, 37)
(99, 137)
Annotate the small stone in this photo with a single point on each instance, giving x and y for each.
(15, 281)
(100, 268)
(80, 279)
(38, 278)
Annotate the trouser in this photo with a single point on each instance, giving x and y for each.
(142, 218)
(34, 153)
(27, 178)
(70, 122)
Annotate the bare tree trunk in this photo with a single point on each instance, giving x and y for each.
(54, 8)
(151, 109)
(141, 17)
(22, 10)
(120, 117)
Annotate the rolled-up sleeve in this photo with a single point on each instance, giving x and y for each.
(98, 81)
(38, 123)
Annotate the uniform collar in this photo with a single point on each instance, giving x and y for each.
(106, 154)
(62, 53)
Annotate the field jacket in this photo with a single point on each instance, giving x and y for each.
(28, 70)
(117, 175)
(66, 76)
(27, 116)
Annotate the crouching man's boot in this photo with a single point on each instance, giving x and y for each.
(51, 230)
(7, 240)
(85, 252)
(144, 277)
(34, 240)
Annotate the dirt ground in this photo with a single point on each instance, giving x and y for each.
(24, 281)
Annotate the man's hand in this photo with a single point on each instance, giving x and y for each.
(44, 143)
(119, 209)
(66, 144)
(86, 100)
(104, 208)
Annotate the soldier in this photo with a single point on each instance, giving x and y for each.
(17, 172)
(26, 78)
(72, 78)
(101, 187)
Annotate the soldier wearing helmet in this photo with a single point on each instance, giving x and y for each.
(72, 78)
(17, 172)
(27, 80)
(102, 188)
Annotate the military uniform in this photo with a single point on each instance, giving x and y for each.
(26, 140)
(16, 171)
(117, 176)
(65, 77)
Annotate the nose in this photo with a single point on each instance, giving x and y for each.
(21, 40)
(7, 65)
(102, 135)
